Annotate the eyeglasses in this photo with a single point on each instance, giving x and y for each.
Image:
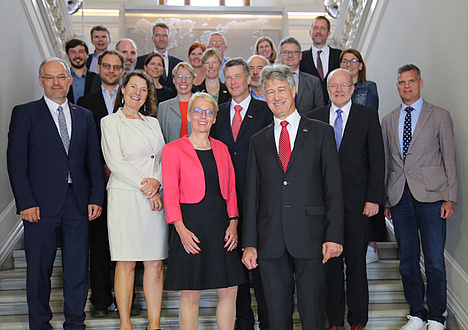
(60, 77)
(186, 76)
(340, 85)
(292, 52)
(107, 66)
(353, 61)
(215, 43)
(159, 35)
(199, 112)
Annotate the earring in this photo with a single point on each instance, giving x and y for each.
(144, 109)
(123, 101)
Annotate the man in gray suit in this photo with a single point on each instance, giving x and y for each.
(309, 89)
(420, 190)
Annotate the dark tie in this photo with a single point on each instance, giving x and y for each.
(236, 121)
(338, 127)
(407, 132)
(63, 129)
(284, 146)
(319, 64)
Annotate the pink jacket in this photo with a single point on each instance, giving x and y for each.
(184, 180)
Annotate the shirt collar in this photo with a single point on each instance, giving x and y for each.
(293, 119)
(346, 108)
(417, 106)
(325, 50)
(52, 105)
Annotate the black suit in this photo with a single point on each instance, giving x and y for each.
(100, 272)
(362, 166)
(173, 61)
(258, 116)
(288, 216)
(223, 94)
(88, 85)
(307, 65)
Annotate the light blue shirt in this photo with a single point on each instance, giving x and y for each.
(414, 119)
(78, 84)
(94, 62)
(109, 99)
(255, 96)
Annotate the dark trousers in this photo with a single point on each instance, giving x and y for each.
(99, 261)
(244, 314)
(357, 293)
(417, 224)
(70, 228)
(279, 276)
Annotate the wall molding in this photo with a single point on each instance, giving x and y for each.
(12, 232)
(457, 293)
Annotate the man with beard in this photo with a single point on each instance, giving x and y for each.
(256, 65)
(128, 49)
(320, 59)
(77, 52)
(101, 103)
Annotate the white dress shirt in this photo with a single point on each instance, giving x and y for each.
(293, 124)
(324, 56)
(244, 104)
(53, 106)
(344, 116)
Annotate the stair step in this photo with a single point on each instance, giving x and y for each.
(388, 251)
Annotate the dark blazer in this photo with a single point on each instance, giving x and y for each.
(89, 60)
(173, 61)
(298, 210)
(88, 85)
(223, 95)
(361, 156)
(38, 164)
(258, 116)
(307, 65)
(309, 93)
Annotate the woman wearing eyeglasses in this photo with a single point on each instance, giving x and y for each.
(172, 114)
(212, 63)
(365, 91)
(200, 201)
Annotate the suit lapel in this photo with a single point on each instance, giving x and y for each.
(301, 136)
(394, 129)
(249, 116)
(271, 145)
(51, 124)
(426, 112)
(353, 121)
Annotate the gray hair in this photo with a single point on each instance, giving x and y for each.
(340, 70)
(288, 40)
(125, 39)
(237, 61)
(278, 72)
(218, 34)
(53, 59)
(409, 67)
(267, 62)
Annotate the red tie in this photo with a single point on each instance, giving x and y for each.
(236, 121)
(284, 146)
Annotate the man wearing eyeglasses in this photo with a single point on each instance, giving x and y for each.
(309, 90)
(161, 38)
(237, 121)
(218, 41)
(360, 148)
(320, 59)
(56, 176)
(101, 103)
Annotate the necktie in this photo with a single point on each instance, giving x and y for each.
(407, 131)
(338, 127)
(319, 64)
(284, 146)
(236, 121)
(63, 129)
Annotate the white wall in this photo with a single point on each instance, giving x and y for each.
(432, 35)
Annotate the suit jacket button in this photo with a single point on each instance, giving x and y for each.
(285, 183)
(152, 156)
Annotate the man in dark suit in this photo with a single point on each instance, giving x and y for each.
(77, 52)
(320, 59)
(56, 177)
(420, 190)
(101, 39)
(293, 206)
(161, 38)
(309, 89)
(236, 122)
(101, 103)
(360, 149)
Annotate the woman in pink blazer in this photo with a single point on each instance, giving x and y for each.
(200, 201)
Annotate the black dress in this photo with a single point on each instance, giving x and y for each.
(214, 267)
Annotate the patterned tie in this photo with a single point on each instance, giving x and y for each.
(319, 64)
(236, 121)
(63, 129)
(338, 127)
(284, 146)
(407, 132)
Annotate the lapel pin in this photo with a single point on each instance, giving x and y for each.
(250, 116)
(305, 130)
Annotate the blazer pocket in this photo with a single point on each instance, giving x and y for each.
(315, 210)
(434, 178)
